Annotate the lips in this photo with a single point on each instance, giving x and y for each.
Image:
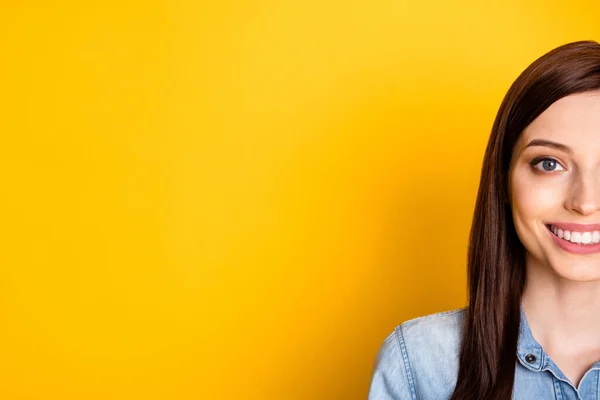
(576, 248)
(567, 226)
(574, 236)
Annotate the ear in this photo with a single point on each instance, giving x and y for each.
(506, 196)
(506, 191)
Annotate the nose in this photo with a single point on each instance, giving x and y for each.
(585, 194)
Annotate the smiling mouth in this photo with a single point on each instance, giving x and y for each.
(579, 238)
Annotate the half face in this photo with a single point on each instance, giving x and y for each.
(554, 183)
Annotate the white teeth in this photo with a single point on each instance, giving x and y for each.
(577, 237)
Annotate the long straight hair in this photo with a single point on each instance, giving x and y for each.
(496, 256)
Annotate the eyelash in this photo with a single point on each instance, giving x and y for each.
(540, 159)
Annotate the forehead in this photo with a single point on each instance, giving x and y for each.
(573, 120)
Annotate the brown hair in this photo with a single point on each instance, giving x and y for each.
(496, 257)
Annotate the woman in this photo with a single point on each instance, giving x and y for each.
(532, 326)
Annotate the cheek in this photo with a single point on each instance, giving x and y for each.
(534, 200)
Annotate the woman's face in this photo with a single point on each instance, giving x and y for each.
(554, 188)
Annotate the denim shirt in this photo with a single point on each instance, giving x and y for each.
(419, 360)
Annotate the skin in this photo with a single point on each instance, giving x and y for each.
(561, 298)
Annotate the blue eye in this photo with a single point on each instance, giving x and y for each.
(547, 165)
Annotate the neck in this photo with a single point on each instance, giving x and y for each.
(562, 313)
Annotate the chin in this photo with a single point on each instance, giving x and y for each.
(576, 270)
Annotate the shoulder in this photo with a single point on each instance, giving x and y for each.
(440, 331)
(419, 359)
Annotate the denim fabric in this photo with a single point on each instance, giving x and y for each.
(419, 360)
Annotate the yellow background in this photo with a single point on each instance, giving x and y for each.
(227, 200)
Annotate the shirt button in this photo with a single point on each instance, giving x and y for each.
(530, 358)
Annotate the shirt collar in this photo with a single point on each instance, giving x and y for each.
(529, 351)
(527, 347)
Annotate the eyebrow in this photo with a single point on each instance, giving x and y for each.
(548, 143)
